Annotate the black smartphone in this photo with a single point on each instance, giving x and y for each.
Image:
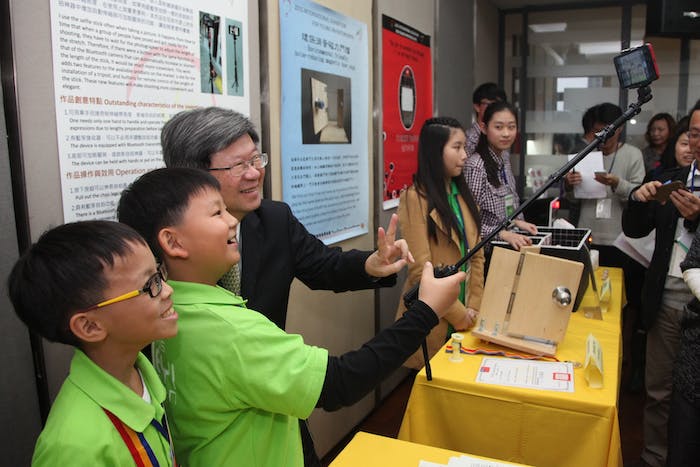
(664, 191)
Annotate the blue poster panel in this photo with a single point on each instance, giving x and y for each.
(324, 135)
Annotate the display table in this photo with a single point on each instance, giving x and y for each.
(368, 450)
(542, 428)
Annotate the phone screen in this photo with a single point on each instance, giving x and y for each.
(636, 67)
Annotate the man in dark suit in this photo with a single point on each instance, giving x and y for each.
(664, 293)
(275, 247)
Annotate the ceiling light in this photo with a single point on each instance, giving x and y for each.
(598, 48)
(548, 27)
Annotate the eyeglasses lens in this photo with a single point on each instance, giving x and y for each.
(155, 283)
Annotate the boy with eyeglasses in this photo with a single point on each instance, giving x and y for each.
(95, 285)
(237, 383)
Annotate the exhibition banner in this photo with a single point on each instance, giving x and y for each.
(407, 102)
(121, 70)
(325, 118)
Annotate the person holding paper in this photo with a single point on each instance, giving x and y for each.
(623, 169)
(664, 293)
(490, 176)
(572, 204)
(440, 222)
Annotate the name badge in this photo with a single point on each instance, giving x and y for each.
(680, 249)
(509, 203)
(603, 208)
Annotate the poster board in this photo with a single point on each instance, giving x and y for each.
(407, 102)
(121, 70)
(324, 127)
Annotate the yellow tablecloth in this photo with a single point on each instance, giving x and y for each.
(368, 450)
(542, 428)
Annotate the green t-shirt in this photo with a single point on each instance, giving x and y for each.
(79, 433)
(237, 384)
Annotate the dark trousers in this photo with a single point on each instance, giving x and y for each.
(307, 443)
(683, 433)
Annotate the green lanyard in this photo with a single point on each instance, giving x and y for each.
(453, 197)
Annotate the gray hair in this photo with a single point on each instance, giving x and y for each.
(190, 138)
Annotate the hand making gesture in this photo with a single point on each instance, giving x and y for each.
(391, 255)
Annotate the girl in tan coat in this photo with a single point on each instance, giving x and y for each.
(440, 222)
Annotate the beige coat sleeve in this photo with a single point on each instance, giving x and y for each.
(413, 214)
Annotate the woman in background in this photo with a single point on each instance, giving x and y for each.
(490, 177)
(659, 130)
(677, 152)
(440, 222)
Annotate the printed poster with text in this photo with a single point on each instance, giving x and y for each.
(121, 70)
(325, 78)
(408, 102)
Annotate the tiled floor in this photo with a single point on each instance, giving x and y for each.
(386, 418)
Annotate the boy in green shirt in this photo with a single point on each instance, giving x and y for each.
(95, 285)
(237, 384)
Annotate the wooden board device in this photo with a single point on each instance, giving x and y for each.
(519, 309)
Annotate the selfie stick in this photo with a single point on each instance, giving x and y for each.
(643, 96)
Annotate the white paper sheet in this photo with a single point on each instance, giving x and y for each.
(639, 249)
(529, 374)
(589, 187)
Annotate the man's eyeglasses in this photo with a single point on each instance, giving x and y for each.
(153, 287)
(693, 135)
(258, 161)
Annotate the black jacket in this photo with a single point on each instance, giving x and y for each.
(638, 220)
(276, 248)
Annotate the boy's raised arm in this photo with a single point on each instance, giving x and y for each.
(352, 375)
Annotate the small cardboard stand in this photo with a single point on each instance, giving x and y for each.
(528, 299)
(593, 366)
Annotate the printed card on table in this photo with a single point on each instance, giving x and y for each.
(529, 374)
